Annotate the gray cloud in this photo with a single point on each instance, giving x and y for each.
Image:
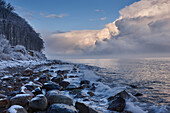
(56, 16)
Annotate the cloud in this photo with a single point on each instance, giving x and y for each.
(56, 16)
(98, 10)
(142, 28)
(103, 18)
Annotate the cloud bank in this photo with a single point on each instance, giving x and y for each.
(143, 27)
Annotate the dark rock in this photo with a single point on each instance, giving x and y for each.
(27, 72)
(37, 91)
(16, 109)
(133, 86)
(64, 84)
(53, 98)
(4, 102)
(72, 87)
(80, 95)
(44, 79)
(75, 91)
(2, 96)
(57, 79)
(83, 86)
(84, 82)
(91, 94)
(61, 108)
(138, 94)
(122, 94)
(51, 86)
(118, 104)
(38, 103)
(83, 108)
(45, 71)
(20, 99)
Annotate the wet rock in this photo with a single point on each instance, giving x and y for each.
(133, 86)
(80, 95)
(53, 98)
(61, 108)
(57, 79)
(64, 84)
(4, 103)
(51, 86)
(83, 86)
(118, 104)
(75, 91)
(20, 99)
(44, 79)
(83, 108)
(2, 96)
(125, 111)
(38, 103)
(72, 87)
(27, 72)
(138, 94)
(16, 109)
(122, 94)
(37, 91)
(91, 94)
(84, 82)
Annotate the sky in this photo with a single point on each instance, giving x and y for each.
(99, 28)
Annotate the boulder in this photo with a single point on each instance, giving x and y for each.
(64, 84)
(4, 102)
(122, 94)
(37, 91)
(27, 72)
(2, 96)
(118, 104)
(20, 99)
(72, 87)
(61, 108)
(16, 109)
(57, 79)
(53, 98)
(84, 82)
(38, 103)
(83, 108)
(43, 79)
(91, 93)
(51, 86)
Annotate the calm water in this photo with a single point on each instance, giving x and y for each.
(150, 75)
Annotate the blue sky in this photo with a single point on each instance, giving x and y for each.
(68, 15)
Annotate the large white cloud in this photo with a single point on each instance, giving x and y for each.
(143, 27)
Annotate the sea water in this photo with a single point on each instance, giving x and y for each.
(151, 76)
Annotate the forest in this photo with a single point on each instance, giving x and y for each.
(17, 30)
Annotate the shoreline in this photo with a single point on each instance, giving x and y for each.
(94, 99)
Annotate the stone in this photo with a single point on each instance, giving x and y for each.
(84, 82)
(75, 91)
(91, 93)
(37, 91)
(118, 104)
(80, 95)
(4, 102)
(16, 109)
(51, 86)
(2, 96)
(27, 72)
(64, 84)
(53, 98)
(57, 79)
(72, 87)
(83, 108)
(38, 103)
(61, 108)
(122, 94)
(138, 94)
(44, 79)
(20, 99)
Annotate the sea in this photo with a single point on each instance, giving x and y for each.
(147, 76)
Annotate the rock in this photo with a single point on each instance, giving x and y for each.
(20, 99)
(84, 82)
(27, 72)
(138, 94)
(118, 104)
(83, 108)
(44, 79)
(133, 86)
(37, 91)
(51, 86)
(64, 84)
(16, 109)
(80, 95)
(57, 79)
(38, 103)
(61, 108)
(75, 91)
(2, 96)
(91, 94)
(53, 98)
(122, 94)
(4, 103)
(72, 87)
